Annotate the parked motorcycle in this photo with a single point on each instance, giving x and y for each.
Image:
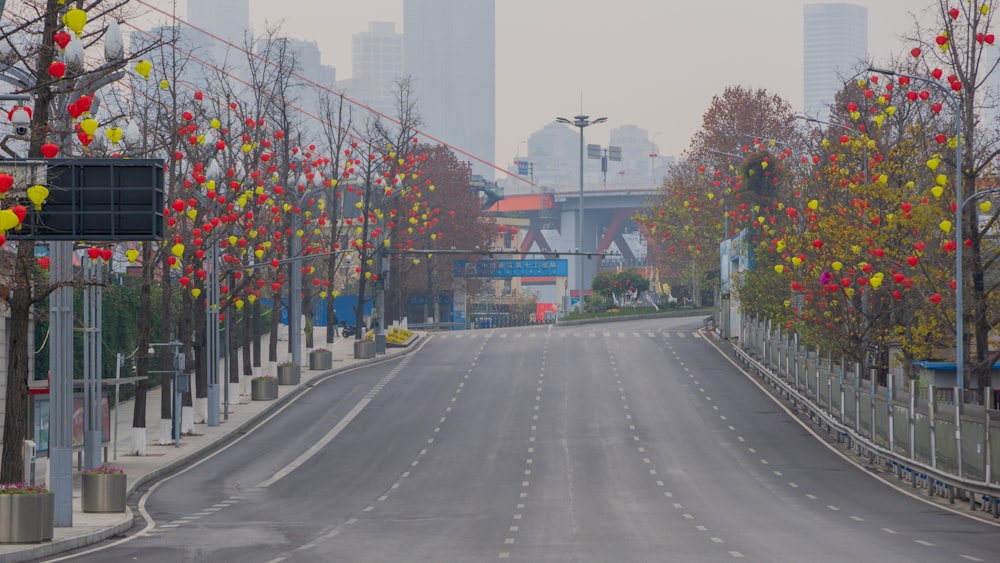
(348, 331)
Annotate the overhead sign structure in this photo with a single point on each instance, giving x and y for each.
(510, 268)
(93, 199)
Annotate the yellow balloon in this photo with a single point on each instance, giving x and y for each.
(75, 19)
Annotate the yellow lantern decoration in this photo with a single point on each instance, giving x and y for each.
(164, 84)
(8, 220)
(192, 214)
(837, 266)
(114, 135)
(779, 268)
(215, 123)
(143, 68)
(239, 304)
(933, 163)
(195, 292)
(132, 255)
(813, 204)
(251, 298)
(37, 194)
(985, 206)
(945, 226)
(796, 261)
(258, 253)
(937, 191)
(75, 19)
(89, 125)
(178, 250)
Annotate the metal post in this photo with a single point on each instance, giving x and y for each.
(581, 122)
(212, 334)
(295, 294)
(61, 383)
(119, 360)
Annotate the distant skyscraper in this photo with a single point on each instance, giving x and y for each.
(228, 19)
(835, 46)
(450, 51)
(377, 61)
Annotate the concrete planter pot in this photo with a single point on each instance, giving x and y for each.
(104, 492)
(263, 389)
(364, 349)
(320, 360)
(27, 518)
(289, 374)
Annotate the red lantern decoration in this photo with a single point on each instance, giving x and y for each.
(57, 69)
(49, 150)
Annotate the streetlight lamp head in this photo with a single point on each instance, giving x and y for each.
(563, 120)
(882, 71)
(599, 120)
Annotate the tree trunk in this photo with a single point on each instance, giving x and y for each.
(16, 414)
(145, 327)
(272, 342)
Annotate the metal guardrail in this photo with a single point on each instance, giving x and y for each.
(436, 326)
(936, 482)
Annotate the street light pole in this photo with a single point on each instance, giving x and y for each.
(959, 321)
(582, 122)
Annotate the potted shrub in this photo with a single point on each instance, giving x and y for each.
(27, 513)
(288, 374)
(263, 388)
(320, 359)
(104, 489)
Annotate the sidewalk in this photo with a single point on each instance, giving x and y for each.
(90, 528)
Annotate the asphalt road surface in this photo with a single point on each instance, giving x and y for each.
(615, 442)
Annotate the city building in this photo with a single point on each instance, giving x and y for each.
(377, 62)
(226, 19)
(835, 47)
(450, 52)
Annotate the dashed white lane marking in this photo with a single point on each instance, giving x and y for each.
(889, 531)
(970, 558)
(504, 555)
(833, 508)
(857, 519)
(814, 497)
(736, 554)
(793, 484)
(716, 539)
(924, 543)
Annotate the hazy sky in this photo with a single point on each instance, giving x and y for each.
(653, 63)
